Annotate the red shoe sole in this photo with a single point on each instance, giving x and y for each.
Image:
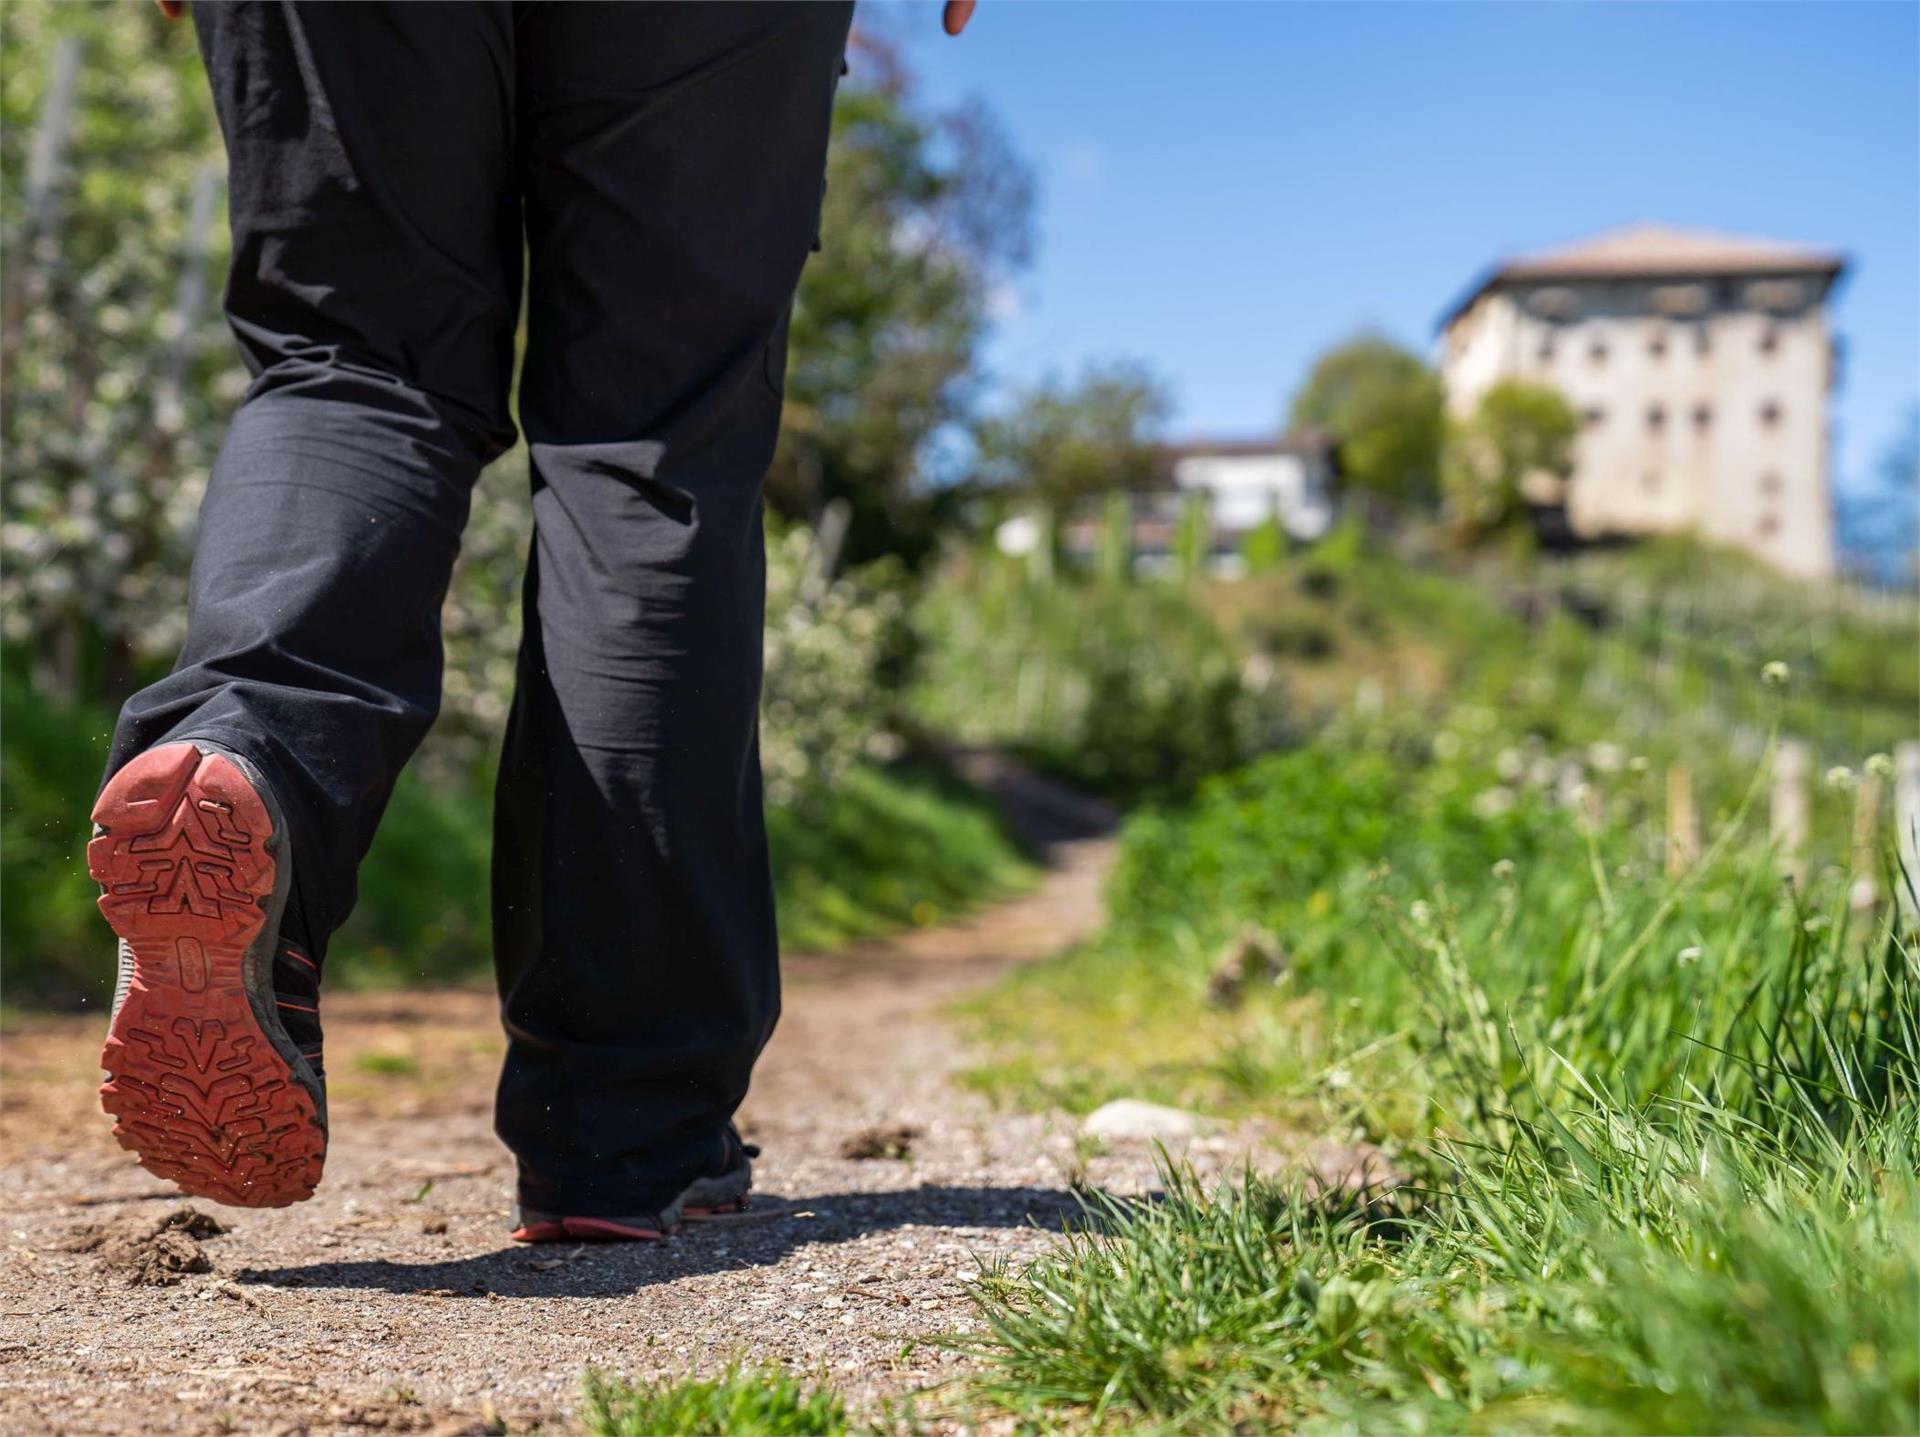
(195, 1086)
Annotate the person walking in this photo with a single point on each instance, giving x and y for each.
(657, 169)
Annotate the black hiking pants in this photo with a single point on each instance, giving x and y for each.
(659, 167)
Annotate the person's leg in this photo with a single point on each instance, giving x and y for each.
(674, 157)
(373, 292)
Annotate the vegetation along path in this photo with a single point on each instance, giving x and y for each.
(393, 1300)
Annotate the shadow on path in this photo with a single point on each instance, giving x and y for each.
(619, 1269)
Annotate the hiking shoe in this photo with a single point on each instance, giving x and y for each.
(206, 1079)
(720, 1191)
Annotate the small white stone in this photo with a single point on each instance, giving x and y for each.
(1131, 1118)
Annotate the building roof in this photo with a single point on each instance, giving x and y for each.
(1306, 443)
(1654, 251)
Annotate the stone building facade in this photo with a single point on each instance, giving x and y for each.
(1701, 365)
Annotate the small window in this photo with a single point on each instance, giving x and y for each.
(1703, 416)
(1770, 414)
(1703, 340)
(1650, 481)
(1597, 351)
(1769, 524)
(1546, 348)
(1657, 418)
(1592, 415)
(1657, 346)
(1769, 337)
(1770, 483)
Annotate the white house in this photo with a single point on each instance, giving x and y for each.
(1249, 481)
(1701, 365)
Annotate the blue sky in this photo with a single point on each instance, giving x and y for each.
(1226, 187)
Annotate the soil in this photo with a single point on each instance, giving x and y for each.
(393, 1301)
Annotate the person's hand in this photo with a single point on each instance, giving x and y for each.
(954, 18)
(174, 9)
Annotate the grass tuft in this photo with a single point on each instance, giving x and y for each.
(741, 1402)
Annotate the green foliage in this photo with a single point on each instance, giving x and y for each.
(924, 214)
(1128, 689)
(1520, 435)
(113, 375)
(906, 845)
(51, 759)
(1667, 1128)
(1061, 442)
(1264, 546)
(1383, 407)
(825, 686)
(742, 1402)
(898, 846)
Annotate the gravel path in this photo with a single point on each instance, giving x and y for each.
(393, 1301)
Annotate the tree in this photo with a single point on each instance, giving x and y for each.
(1518, 435)
(1879, 523)
(1382, 407)
(925, 217)
(1060, 442)
(116, 367)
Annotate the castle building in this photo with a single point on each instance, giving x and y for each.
(1701, 366)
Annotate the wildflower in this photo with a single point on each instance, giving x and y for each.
(1880, 765)
(1639, 763)
(1503, 870)
(1775, 674)
(1688, 956)
(1421, 912)
(1819, 923)
(1338, 1078)
(1493, 802)
(1839, 776)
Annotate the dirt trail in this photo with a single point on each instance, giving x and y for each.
(393, 1301)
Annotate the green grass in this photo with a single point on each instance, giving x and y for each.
(1663, 1131)
(743, 1401)
(889, 848)
(1655, 1193)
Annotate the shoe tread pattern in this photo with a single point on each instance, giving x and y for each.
(195, 1086)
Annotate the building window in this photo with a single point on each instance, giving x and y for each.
(1592, 415)
(1657, 345)
(1769, 524)
(1770, 414)
(1702, 340)
(1546, 348)
(1770, 483)
(1657, 418)
(1769, 337)
(1597, 351)
(1703, 417)
(1650, 482)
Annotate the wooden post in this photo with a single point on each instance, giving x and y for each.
(1906, 824)
(1683, 823)
(28, 249)
(190, 296)
(1116, 538)
(1792, 773)
(1192, 535)
(823, 559)
(1865, 890)
(1040, 561)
